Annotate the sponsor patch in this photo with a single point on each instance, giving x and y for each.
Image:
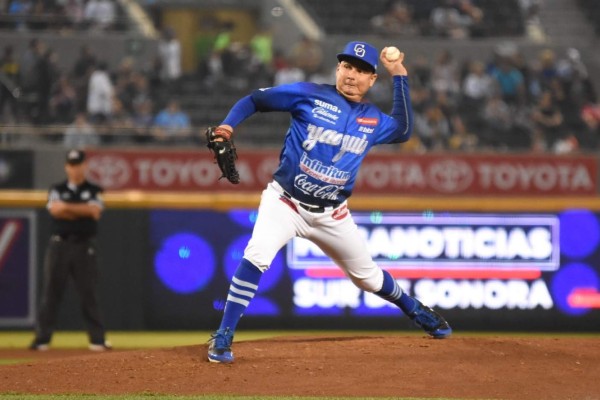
(367, 121)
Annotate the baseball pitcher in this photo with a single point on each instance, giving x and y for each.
(331, 131)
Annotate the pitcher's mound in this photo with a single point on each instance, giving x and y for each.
(365, 366)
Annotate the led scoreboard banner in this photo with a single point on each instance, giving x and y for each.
(508, 267)
(508, 250)
(17, 268)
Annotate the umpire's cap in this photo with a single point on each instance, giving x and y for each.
(366, 55)
(75, 157)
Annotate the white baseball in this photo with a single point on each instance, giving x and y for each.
(392, 53)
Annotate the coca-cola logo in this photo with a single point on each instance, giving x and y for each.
(109, 171)
(450, 175)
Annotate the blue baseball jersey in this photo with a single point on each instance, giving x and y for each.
(329, 136)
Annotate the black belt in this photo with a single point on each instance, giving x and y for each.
(69, 237)
(307, 207)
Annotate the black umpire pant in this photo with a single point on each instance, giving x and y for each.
(76, 257)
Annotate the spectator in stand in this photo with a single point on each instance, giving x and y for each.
(477, 84)
(47, 71)
(511, 82)
(288, 72)
(100, 14)
(80, 75)
(396, 19)
(472, 18)
(19, 10)
(530, 9)
(152, 71)
(547, 68)
(204, 43)
(63, 101)
(548, 119)
(84, 63)
(141, 91)
(462, 139)
(80, 134)
(476, 88)
(120, 124)
(447, 21)
(125, 83)
(445, 76)
(171, 125)
(575, 81)
(169, 50)
(588, 135)
(9, 85)
(143, 121)
(420, 72)
(261, 45)
(100, 94)
(307, 55)
(74, 11)
(421, 98)
(497, 119)
(433, 128)
(29, 76)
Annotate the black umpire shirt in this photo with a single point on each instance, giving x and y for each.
(87, 192)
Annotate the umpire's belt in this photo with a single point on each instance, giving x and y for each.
(308, 207)
(69, 237)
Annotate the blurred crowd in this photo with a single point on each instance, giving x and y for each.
(504, 101)
(60, 15)
(91, 104)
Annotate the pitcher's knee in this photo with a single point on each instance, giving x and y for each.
(369, 282)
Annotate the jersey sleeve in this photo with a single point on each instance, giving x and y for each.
(280, 98)
(397, 126)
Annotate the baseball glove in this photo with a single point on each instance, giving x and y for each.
(224, 152)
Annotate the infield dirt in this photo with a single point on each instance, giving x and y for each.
(369, 366)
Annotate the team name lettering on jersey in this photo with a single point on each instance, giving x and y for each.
(347, 143)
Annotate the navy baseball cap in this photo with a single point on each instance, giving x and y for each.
(75, 157)
(366, 54)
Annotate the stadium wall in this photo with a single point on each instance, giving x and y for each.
(533, 263)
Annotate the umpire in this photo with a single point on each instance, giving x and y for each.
(75, 206)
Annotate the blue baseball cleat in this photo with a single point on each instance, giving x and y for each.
(219, 347)
(430, 321)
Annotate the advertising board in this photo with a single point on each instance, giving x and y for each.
(481, 270)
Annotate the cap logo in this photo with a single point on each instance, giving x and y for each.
(359, 50)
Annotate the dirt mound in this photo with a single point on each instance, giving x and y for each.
(460, 367)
